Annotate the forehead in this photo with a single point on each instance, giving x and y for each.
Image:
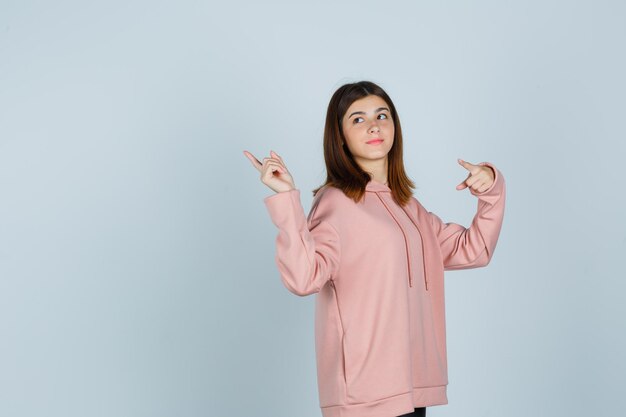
(367, 104)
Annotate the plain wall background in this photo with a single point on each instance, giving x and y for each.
(137, 273)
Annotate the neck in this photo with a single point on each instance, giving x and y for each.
(377, 169)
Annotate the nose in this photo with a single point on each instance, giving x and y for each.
(374, 128)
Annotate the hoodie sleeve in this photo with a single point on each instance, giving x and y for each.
(473, 247)
(307, 249)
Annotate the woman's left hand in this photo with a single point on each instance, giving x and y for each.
(480, 177)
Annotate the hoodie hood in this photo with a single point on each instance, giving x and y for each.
(376, 186)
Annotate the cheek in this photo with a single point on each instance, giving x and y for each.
(391, 133)
(390, 129)
(347, 137)
(351, 132)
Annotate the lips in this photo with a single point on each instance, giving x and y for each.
(374, 141)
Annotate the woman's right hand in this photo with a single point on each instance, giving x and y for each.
(273, 171)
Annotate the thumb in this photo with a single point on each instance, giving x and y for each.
(277, 156)
(467, 166)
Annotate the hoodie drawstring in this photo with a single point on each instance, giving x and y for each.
(423, 248)
(406, 242)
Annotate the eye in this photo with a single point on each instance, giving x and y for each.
(382, 114)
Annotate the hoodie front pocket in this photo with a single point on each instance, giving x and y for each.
(341, 334)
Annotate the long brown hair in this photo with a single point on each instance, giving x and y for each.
(342, 171)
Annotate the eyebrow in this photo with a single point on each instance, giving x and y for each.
(362, 112)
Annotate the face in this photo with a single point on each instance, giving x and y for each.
(369, 130)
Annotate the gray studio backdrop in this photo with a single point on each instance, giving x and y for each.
(137, 273)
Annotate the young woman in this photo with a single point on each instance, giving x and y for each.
(375, 258)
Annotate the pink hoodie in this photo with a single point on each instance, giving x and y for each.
(377, 271)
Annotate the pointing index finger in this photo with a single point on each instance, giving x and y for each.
(465, 164)
(255, 162)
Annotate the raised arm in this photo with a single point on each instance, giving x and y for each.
(473, 247)
(307, 249)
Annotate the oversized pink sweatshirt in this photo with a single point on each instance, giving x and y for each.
(377, 271)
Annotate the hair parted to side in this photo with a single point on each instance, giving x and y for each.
(342, 171)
